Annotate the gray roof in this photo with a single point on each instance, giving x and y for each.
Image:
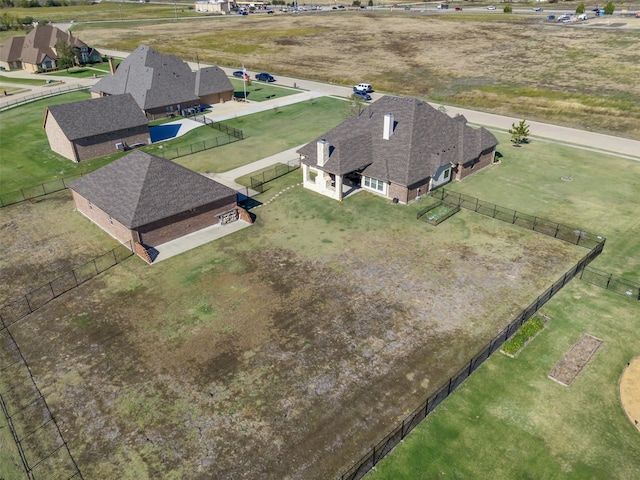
(423, 140)
(156, 80)
(12, 50)
(96, 116)
(140, 188)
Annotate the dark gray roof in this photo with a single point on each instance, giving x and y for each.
(96, 116)
(423, 140)
(211, 80)
(156, 80)
(12, 50)
(140, 188)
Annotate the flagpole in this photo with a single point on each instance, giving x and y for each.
(244, 81)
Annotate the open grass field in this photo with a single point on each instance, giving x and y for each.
(518, 65)
(265, 353)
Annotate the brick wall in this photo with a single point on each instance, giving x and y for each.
(103, 220)
(57, 139)
(170, 228)
(105, 144)
(484, 160)
(217, 98)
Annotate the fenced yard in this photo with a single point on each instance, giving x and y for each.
(264, 370)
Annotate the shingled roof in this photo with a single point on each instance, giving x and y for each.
(140, 188)
(156, 80)
(38, 44)
(96, 116)
(423, 140)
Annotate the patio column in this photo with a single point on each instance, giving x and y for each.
(339, 186)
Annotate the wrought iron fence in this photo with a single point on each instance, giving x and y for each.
(6, 104)
(371, 458)
(611, 282)
(258, 182)
(36, 191)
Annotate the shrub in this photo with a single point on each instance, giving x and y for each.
(609, 8)
(527, 330)
(508, 8)
(580, 9)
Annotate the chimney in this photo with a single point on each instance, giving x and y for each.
(323, 152)
(388, 126)
(112, 67)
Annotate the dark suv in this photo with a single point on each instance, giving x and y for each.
(264, 77)
(361, 94)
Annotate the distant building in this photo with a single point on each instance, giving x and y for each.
(94, 128)
(38, 50)
(221, 6)
(164, 85)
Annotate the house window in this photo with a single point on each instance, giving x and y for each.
(110, 220)
(446, 174)
(374, 184)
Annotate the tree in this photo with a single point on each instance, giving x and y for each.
(609, 8)
(508, 9)
(519, 133)
(370, 3)
(66, 55)
(580, 9)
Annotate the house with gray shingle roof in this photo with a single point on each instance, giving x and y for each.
(96, 127)
(163, 85)
(396, 147)
(147, 200)
(38, 49)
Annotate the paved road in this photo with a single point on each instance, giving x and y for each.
(598, 142)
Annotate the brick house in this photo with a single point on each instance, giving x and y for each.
(96, 127)
(396, 147)
(164, 85)
(147, 200)
(38, 49)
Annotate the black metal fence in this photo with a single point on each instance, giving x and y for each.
(29, 303)
(41, 446)
(611, 282)
(258, 182)
(7, 103)
(383, 447)
(540, 225)
(173, 153)
(36, 191)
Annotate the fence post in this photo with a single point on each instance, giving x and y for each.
(608, 281)
(495, 210)
(557, 228)
(514, 217)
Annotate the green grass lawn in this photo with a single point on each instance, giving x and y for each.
(26, 158)
(260, 91)
(269, 132)
(508, 420)
(79, 72)
(23, 81)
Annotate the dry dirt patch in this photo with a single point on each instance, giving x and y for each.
(630, 391)
(572, 363)
(256, 358)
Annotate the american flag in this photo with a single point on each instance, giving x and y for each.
(245, 76)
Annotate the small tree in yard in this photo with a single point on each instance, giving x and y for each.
(66, 55)
(519, 133)
(508, 9)
(609, 8)
(580, 9)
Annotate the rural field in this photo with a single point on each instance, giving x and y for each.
(290, 348)
(523, 66)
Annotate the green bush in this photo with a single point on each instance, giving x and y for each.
(580, 9)
(528, 330)
(609, 8)
(508, 9)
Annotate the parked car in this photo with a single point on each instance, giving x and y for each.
(458, 9)
(442, 6)
(238, 73)
(537, 9)
(491, 7)
(363, 87)
(565, 17)
(583, 16)
(407, 7)
(361, 95)
(271, 11)
(264, 77)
